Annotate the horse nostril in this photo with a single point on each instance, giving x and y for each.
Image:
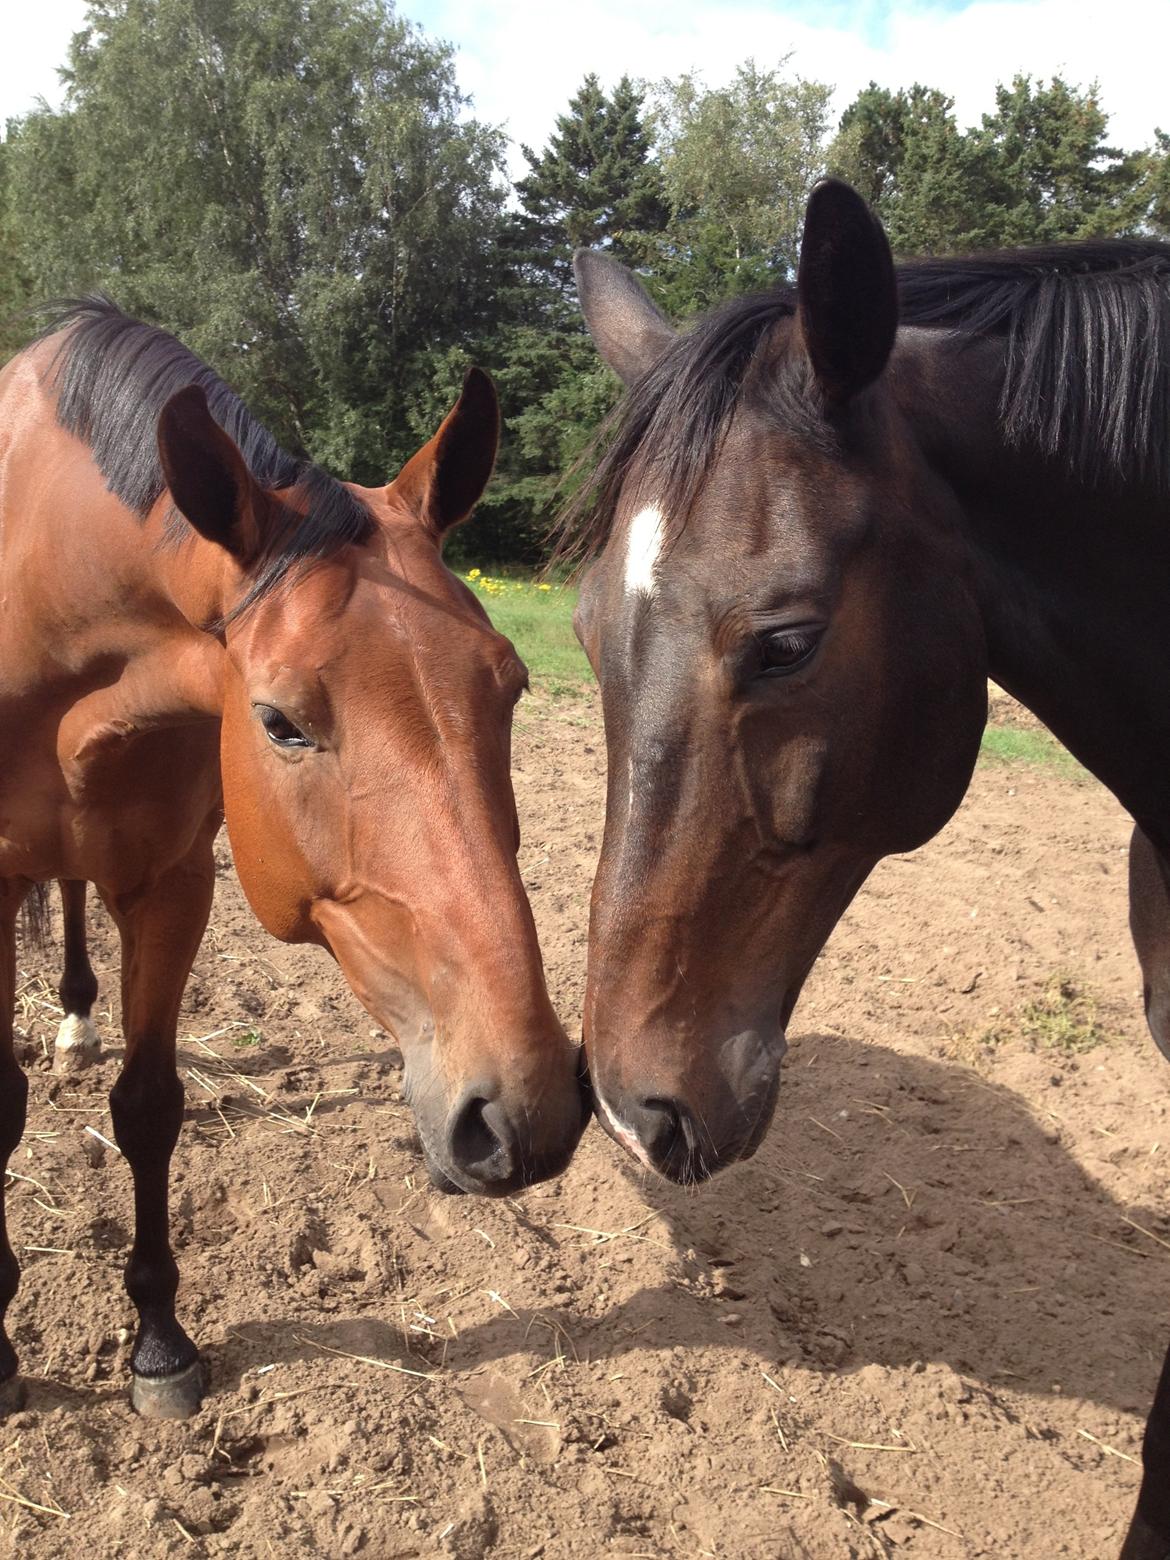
(480, 1140)
(658, 1124)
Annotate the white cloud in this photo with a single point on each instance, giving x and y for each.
(522, 59)
(34, 40)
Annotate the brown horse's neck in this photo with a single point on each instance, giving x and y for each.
(1070, 576)
(107, 609)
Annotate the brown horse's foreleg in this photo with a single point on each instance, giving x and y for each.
(161, 930)
(1149, 1533)
(13, 1104)
(1149, 921)
(77, 1040)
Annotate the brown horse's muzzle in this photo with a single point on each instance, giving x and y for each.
(493, 1140)
(490, 1074)
(687, 1125)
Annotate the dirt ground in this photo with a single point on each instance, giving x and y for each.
(926, 1319)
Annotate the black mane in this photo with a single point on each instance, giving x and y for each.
(113, 375)
(1088, 346)
(1087, 380)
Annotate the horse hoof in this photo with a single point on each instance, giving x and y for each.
(170, 1397)
(13, 1396)
(77, 1046)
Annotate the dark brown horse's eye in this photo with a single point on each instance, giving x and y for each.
(280, 729)
(787, 650)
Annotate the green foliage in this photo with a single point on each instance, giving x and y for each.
(1052, 174)
(287, 184)
(905, 153)
(1037, 170)
(1154, 175)
(594, 184)
(737, 165)
(15, 286)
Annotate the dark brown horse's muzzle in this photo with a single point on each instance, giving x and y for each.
(689, 1128)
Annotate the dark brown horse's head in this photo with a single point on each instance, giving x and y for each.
(367, 723)
(792, 670)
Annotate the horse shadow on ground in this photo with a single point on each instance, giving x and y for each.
(900, 1210)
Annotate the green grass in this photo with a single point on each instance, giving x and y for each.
(1015, 745)
(1064, 1020)
(539, 622)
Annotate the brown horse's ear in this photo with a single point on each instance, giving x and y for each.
(847, 296)
(443, 483)
(207, 476)
(625, 324)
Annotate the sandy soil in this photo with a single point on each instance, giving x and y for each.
(927, 1318)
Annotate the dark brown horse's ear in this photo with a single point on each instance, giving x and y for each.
(847, 296)
(207, 476)
(443, 483)
(625, 324)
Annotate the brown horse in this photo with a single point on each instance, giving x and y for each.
(817, 531)
(192, 622)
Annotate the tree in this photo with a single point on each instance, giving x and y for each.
(1037, 170)
(737, 165)
(15, 285)
(1155, 183)
(907, 156)
(1055, 176)
(289, 185)
(593, 185)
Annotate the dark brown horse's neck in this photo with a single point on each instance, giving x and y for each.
(1071, 578)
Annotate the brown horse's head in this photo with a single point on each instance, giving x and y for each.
(792, 669)
(367, 717)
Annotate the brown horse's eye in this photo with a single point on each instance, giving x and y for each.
(787, 650)
(280, 729)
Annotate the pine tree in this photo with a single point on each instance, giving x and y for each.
(1037, 170)
(927, 181)
(1055, 175)
(594, 185)
(15, 284)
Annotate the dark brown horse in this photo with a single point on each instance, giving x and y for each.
(191, 622)
(826, 515)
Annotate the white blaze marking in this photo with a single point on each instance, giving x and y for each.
(643, 544)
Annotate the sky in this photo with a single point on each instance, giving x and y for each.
(521, 60)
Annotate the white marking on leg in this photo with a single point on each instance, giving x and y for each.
(643, 545)
(77, 1034)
